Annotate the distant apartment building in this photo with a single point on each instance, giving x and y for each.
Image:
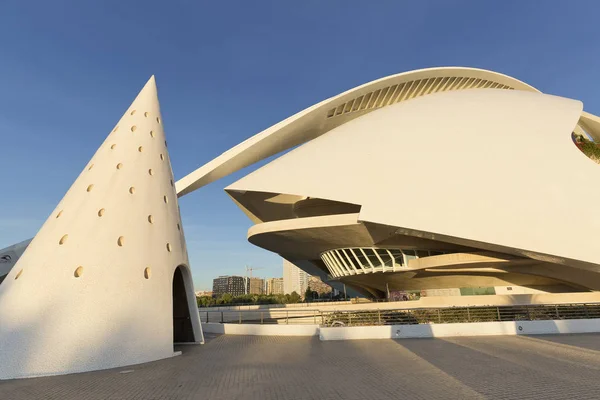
(294, 279)
(275, 286)
(317, 285)
(234, 285)
(256, 285)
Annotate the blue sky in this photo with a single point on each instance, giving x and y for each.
(227, 70)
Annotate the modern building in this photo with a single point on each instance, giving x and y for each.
(9, 257)
(294, 279)
(442, 180)
(456, 180)
(256, 286)
(274, 286)
(106, 281)
(317, 285)
(233, 285)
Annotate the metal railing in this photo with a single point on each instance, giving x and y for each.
(407, 316)
(263, 316)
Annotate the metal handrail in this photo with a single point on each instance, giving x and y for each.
(406, 316)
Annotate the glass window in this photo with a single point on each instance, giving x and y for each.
(397, 254)
(371, 255)
(409, 255)
(350, 259)
(358, 255)
(387, 260)
(422, 253)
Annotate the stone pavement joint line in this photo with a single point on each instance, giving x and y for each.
(297, 368)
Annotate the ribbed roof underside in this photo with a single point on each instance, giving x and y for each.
(411, 89)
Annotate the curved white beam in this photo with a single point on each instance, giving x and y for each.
(335, 111)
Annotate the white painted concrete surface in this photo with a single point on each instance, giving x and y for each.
(262, 330)
(94, 288)
(465, 329)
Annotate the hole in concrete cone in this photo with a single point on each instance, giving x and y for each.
(131, 113)
(146, 114)
(63, 239)
(119, 165)
(18, 274)
(150, 172)
(178, 227)
(162, 158)
(147, 273)
(112, 147)
(152, 133)
(166, 199)
(89, 188)
(140, 149)
(121, 241)
(101, 212)
(116, 127)
(91, 166)
(168, 247)
(132, 190)
(133, 128)
(59, 213)
(150, 219)
(78, 272)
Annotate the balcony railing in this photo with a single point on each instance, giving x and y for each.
(407, 316)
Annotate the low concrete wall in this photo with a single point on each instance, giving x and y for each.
(293, 306)
(262, 330)
(433, 301)
(461, 329)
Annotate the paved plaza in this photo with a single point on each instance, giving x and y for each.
(277, 368)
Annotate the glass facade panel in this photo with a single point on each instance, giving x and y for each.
(347, 261)
(397, 254)
(358, 255)
(385, 257)
(351, 260)
(371, 255)
(409, 255)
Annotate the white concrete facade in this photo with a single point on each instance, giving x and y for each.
(94, 289)
(403, 165)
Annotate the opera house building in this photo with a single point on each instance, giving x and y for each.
(447, 180)
(438, 181)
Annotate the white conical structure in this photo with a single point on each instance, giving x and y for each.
(95, 288)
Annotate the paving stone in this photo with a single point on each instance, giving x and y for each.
(295, 368)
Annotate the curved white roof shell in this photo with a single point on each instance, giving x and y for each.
(335, 111)
(492, 169)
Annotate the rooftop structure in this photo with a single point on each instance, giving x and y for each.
(425, 180)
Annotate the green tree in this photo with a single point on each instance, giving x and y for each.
(205, 301)
(308, 294)
(294, 298)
